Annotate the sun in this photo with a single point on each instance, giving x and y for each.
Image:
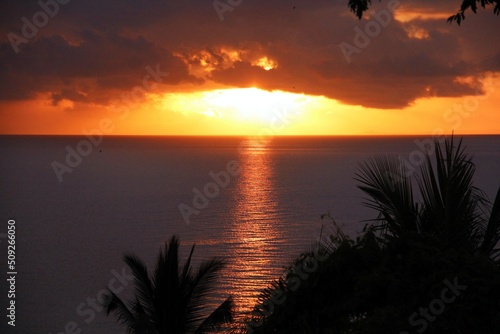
(253, 104)
(238, 110)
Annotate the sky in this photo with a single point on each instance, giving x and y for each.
(241, 67)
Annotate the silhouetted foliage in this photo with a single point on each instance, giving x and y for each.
(372, 287)
(428, 266)
(452, 209)
(173, 299)
(358, 7)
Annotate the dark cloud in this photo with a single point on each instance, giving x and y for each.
(98, 67)
(93, 51)
(68, 94)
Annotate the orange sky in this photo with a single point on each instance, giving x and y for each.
(199, 113)
(307, 72)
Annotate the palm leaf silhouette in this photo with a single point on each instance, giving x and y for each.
(451, 207)
(171, 299)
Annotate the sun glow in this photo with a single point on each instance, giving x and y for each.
(253, 104)
(242, 105)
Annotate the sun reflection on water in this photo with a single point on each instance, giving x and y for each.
(254, 230)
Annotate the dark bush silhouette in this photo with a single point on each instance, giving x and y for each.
(442, 251)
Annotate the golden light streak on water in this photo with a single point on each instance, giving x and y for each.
(254, 228)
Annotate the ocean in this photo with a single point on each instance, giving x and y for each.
(79, 205)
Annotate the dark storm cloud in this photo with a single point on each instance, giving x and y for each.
(99, 64)
(93, 50)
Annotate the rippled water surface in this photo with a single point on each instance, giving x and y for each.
(124, 196)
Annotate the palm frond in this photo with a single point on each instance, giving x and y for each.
(430, 190)
(121, 311)
(169, 302)
(186, 271)
(143, 285)
(144, 324)
(384, 180)
(222, 315)
(491, 240)
(450, 201)
(172, 300)
(202, 284)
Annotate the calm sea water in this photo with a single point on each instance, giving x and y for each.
(124, 196)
